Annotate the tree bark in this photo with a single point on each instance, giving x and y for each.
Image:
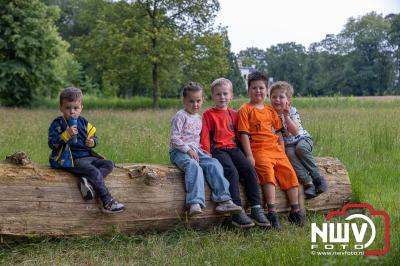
(38, 200)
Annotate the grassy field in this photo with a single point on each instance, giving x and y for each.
(364, 135)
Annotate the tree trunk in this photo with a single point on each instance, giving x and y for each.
(38, 200)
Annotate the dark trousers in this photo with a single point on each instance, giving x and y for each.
(236, 165)
(95, 170)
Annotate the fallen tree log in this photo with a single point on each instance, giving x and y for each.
(38, 200)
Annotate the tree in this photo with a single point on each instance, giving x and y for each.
(394, 38)
(166, 19)
(366, 42)
(286, 62)
(253, 56)
(234, 75)
(29, 45)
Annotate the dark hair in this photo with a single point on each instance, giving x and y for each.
(257, 75)
(191, 87)
(71, 94)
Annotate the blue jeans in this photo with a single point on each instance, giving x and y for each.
(194, 178)
(302, 160)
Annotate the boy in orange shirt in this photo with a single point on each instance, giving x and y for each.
(259, 127)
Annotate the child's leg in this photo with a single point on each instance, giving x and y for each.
(230, 173)
(84, 167)
(303, 151)
(288, 182)
(105, 166)
(269, 196)
(215, 178)
(248, 173)
(194, 179)
(301, 171)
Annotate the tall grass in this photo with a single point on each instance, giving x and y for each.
(365, 137)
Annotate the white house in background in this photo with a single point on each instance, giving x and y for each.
(245, 71)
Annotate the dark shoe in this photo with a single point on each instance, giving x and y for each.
(296, 218)
(86, 189)
(321, 185)
(113, 206)
(258, 216)
(241, 220)
(309, 191)
(274, 220)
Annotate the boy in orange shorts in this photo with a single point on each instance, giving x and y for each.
(259, 128)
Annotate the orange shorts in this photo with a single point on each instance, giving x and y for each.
(275, 171)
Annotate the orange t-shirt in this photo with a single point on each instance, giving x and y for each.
(261, 125)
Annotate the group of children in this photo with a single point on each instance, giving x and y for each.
(261, 145)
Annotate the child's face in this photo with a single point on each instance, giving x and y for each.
(257, 91)
(221, 96)
(279, 100)
(192, 102)
(73, 108)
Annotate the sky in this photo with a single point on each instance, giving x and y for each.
(262, 23)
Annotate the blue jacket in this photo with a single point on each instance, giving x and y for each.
(64, 149)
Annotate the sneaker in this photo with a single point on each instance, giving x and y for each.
(241, 220)
(228, 206)
(274, 220)
(309, 191)
(113, 206)
(296, 218)
(320, 185)
(86, 189)
(258, 216)
(195, 209)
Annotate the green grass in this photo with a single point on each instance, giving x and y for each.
(364, 135)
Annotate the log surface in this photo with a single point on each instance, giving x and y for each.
(38, 200)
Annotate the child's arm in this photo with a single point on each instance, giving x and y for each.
(205, 134)
(291, 124)
(92, 140)
(176, 138)
(281, 141)
(245, 141)
(58, 138)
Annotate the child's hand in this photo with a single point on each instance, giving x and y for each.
(72, 131)
(90, 143)
(193, 154)
(251, 160)
(286, 109)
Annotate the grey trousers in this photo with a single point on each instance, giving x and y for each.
(302, 160)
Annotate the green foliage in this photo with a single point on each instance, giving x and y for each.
(254, 57)
(286, 62)
(29, 46)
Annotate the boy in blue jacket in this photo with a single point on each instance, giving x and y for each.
(72, 139)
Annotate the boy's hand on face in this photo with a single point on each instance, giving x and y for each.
(72, 131)
(193, 154)
(90, 143)
(286, 109)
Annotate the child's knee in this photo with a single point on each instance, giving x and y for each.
(303, 148)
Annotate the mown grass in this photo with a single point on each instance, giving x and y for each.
(364, 136)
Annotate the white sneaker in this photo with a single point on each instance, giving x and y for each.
(195, 209)
(228, 207)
